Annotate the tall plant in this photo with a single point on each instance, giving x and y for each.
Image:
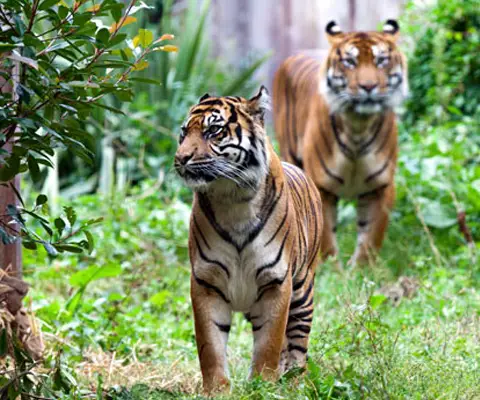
(70, 57)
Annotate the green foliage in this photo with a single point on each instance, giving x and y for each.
(62, 60)
(146, 134)
(439, 161)
(444, 64)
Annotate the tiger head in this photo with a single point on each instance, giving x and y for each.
(223, 143)
(364, 72)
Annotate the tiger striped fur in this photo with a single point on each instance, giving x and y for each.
(336, 120)
(255, 233)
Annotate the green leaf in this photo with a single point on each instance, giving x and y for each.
(29, 245)
(90, 240)
(60, 225)
(34, 169)
(69, 248)
(71, 215)
(102, 36)
(144, 38)
(41, 199)
(47, 228)
(437, 215)
(46, 4)
(160, 298)
(83, 277)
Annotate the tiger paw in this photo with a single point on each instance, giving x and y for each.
(216, 385)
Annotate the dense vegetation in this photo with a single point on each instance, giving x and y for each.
(117, 320)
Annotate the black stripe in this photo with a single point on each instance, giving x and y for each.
(207, 210)
(303, 299)
(256, 328)
(314, 214)
(277, 258)
(295, 159)
(297, 336)
(238, 132)
(267, 286)
(299, 284)
(388, 130)
(301, 349)
(325, 140)
(364, 149)
(211, 261)
(302, 314)
(197, 227)
(325, 168)
(327, 192)
(279, 227)
(343, 147)
(381, 170)
(266, 210)
(290, 122)
(207, 285)
(235, 146)
(300, 327)
(223, 327)
(214, 102)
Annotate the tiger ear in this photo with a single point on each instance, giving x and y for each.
(204, 97)
(334, 33)
(391, 28)
(259, 103)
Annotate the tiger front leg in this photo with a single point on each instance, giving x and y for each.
(269, 318)
(212, 324)
(372, 221)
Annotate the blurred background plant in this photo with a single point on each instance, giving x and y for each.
(440, 158)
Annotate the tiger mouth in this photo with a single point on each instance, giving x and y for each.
(193, 174)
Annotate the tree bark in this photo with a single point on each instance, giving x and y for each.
(11, 254)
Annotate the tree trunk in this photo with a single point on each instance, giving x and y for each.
(11, 254)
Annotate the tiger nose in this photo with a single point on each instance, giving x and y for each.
(183, 158)
(368, 86)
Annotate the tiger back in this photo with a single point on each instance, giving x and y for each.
(255, 233)
(336, 120)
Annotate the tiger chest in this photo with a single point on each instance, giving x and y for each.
(362, 174)
(241, 276)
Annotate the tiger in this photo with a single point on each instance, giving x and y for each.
(335, 119)
(254, 239)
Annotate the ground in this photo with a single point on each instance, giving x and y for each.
(122, 316)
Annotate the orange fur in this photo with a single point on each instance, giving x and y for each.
(335, 120)
(253, 247)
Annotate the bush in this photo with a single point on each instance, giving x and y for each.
(440, 160)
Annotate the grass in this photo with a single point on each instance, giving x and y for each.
(127, 332)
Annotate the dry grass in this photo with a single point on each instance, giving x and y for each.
(178, 376)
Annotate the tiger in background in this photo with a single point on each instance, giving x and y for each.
(336, 120)
(255, 234)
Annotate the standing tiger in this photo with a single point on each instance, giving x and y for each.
(335, 120)
(255, 233)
